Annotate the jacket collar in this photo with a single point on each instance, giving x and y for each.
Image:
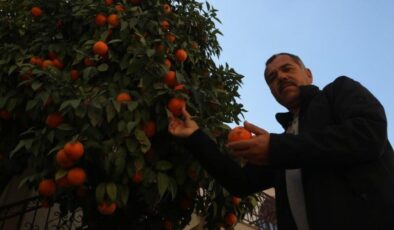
(307, 93)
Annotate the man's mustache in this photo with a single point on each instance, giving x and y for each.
(286, 83)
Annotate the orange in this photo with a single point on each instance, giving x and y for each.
(54, 120)
(100, 48)
(108, 2)
(58, 63)
(101, 19)
(170, 37)
(137, 177)
(170, 79)
(36, 61)
(168, 225)
(135, 2)
(62, 159)
(175, 106)
(230, 219)
(5, 115)
(52, 55)
(106, 209)
(235, 200)
(74, 150)
(181, 87)
(181, 55)
(36, 11)
(76, 176)
(88, 62)
(167, 63)
(74, 74)
(47, 187)
(120, 8)
(159, 48)
(239, 133)
(165, 25)
(123, 97)
(113, 20)
(63, 182)
(47, 63)
(150, 128)
(166, 8)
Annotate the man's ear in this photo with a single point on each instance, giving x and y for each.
(309, 75)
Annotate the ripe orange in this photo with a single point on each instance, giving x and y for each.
(165, 25)
(168, 225)
(54, 120)
(181, 55)
(137, 177)
(181, 87)
(123, 97)
(150, 128)
(5, 115)
(74, 150)
(167, 63)
(76, 176)
(239, 133)
(88, 62)
(52, 55)
(235, 200)
(47, 187)
(100, 48)
(106, 209)
(170, 37)
(63, 182)
(36, 61)
(62, 159)
(108, 2)
(36, 11)
(170, 79)
(113, 20)
(135, 2)
(101, 19)
(175, 106)
(47, 63)
(58, 63)
(74, 74)
(230, 219)
(166, 8)
(120, 8)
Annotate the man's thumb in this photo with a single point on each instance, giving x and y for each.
(254, 129)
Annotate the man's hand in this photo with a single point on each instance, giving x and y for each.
(182, 128)
(254, 150)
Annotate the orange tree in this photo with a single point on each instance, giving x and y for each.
(85, 90)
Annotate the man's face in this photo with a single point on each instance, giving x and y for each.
(284, 76)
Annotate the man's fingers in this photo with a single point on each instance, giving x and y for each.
(185, 113)
(254, 129)
(239, 145)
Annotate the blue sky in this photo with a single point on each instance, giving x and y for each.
(333, 37)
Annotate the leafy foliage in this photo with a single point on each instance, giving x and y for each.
(56, 88)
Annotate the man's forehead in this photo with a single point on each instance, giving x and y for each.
(279, 61)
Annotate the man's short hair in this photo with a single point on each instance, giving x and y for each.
(292, 56)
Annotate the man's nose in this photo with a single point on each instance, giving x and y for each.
(282, 76)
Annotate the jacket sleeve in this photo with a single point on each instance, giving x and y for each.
(239, 181)
(357, 134)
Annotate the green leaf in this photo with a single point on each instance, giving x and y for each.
(75, 103)
(114, 41)
(163, 165)
(103, 67)
(111, 191)
(124, 194)
(30, 104)
(81, 111)
(100, 193)
(65, 127)
(94, 116)
(143, 140)
(110, 111)
(18, 147)
(131, 125)
(131, 106)
(163, 181)
(60, 174)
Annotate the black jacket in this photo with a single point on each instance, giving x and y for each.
(342, 149)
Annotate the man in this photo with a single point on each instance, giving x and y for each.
(333, 168)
